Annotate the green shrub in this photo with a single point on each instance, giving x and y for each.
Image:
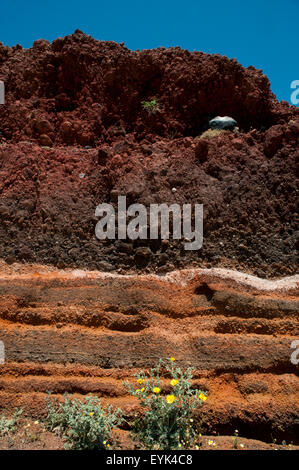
(84, 425)
(151, 106)
(167, 421)
(8, 425)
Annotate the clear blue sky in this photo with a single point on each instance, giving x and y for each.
(263, 33)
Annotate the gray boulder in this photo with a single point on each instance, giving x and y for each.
(223, 122)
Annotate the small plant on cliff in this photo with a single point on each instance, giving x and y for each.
(151, 106)
(84, 425)
(167, 422)
(9, 425)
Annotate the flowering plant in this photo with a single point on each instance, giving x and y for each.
(167, 422)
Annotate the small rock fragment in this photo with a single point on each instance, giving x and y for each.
(45, 140)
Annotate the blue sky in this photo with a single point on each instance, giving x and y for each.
(263, 33)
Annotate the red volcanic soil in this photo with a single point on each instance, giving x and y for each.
(74, 134)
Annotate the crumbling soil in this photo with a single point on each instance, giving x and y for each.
(74, 134)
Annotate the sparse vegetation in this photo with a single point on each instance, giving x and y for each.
(168, 419)
(9, 425)
(84, 425)
(235, 439)
(151, 106)
(211, 133)
(168, 398)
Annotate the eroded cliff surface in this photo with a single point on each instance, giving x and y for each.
(80, 315)
(74, 134)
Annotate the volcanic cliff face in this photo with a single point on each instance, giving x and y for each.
(74, 134)
(97, 88)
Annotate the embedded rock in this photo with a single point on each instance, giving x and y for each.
(222, 122)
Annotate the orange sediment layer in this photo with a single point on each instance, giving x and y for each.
(87, 333)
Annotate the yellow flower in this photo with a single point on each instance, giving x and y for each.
(170, 398)
(142, 390)
(91, 414)
(202, 397)
(172, 359)
(156, 390)
(140, 381)
(174, 382)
